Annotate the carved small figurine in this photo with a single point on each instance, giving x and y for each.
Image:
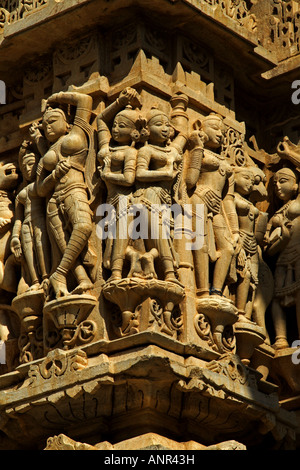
(208, 172)
(8, 271)
(282, 239)
(117, 157)
(247, 252)
(29, 235)
(61, 178)
(158, 168)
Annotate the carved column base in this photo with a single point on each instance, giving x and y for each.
(262, 358)
(222, 314)
(69, 315)
(286, 366)
(116, 389)
(248, 337)
(130, 295)
(29, 307)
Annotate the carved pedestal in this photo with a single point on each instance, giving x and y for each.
(262, 359)
(285, 370)
(69, 316)
(145, 304)
(221, 314)
(248, 337)
(29, 307)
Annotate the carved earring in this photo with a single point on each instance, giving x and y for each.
(144, 134)
(172, 134)
(135, 136)
(295, 189)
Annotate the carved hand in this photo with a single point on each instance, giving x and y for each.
(15, 246)
(285, 148)
(62, 168)
(34, 131)
(129, 96)
(103, 154)
(105, 170)
(235, 239)
(4, 222)
(198, 138)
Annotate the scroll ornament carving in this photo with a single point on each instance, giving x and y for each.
(235, 9)
(15, 11)
(56, 364)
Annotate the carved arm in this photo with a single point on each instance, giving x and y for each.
(126, 178)
(143, 173)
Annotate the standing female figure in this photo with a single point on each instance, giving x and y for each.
(117, 157)
(247, 250)
(29, 234)
(61, 179)
(207, 176)
(282, 239)
(158, 167)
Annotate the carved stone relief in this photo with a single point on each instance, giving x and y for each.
(133, 209)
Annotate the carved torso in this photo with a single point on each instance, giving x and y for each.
(76, 155)
(215, 170)
(33, 204)
(247, 213)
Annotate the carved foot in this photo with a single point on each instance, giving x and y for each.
(214, 291)
(172, 278)
(114, 277)
(243, 318)
(36, 286)
(84, 286)
(280, 343)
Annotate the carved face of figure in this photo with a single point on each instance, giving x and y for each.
(285, 184)
(54, 125)
(122, 129)
(213, 128)
(29, 166)
(244, 181)
(160, 129)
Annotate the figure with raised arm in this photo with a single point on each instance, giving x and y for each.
(61, 179)
(207, 181)
(118, 129)
(159, 164)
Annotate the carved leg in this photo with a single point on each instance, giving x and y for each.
(27, 246)
(279, 321)
(201, 256)
(201, 265)
(80, 221)
(242, 292)
(117, 258)
(225, 252)
(9, 276)
(42, 247)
